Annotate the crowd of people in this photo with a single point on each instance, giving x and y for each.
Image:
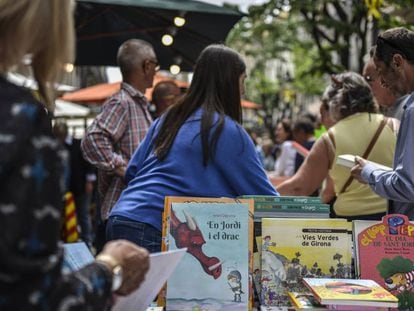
(192, 144)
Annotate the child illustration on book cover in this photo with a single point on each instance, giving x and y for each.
(214, 273)
(234, 281)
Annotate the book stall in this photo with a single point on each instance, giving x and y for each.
(275, 253)
(268, 259)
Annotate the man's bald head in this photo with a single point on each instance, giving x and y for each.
(165, 94)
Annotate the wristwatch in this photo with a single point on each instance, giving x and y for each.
(115, 267)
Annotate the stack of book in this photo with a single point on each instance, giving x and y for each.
(288, 207)
(346, 294)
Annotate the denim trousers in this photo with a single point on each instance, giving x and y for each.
(142, 234)
(82, 204)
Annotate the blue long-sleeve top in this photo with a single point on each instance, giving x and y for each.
(235, 170)
(398, 185)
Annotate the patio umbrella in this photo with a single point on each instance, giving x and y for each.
(103, 25)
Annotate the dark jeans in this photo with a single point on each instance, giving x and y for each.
(82, 204)
(142, 234)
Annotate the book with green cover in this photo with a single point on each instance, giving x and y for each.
(283, 199)
(293, 207)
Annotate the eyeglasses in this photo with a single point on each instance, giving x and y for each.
(156, 63)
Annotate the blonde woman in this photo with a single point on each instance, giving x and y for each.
(40, 32)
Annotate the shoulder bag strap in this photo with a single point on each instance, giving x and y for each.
(368, 150)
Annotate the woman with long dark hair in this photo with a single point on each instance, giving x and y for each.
(197, 148)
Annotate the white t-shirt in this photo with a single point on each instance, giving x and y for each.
(285, 163)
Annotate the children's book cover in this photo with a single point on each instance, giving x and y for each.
(296, 248)
(386, 255)
(169, 200)
(360, 292)
(214, 274)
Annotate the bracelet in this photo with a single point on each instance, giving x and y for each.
(114, 267)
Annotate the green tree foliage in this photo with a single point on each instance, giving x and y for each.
(260, 39)
(321, 36)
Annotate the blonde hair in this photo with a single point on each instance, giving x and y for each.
(42, 30)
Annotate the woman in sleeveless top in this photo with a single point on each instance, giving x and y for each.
(359, 130)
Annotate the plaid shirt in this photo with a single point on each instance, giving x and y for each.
(112, 139)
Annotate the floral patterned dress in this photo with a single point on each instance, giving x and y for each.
(31, 203)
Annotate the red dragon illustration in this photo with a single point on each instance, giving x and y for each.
(187, 234)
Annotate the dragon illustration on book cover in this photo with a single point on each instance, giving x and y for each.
(188, 234)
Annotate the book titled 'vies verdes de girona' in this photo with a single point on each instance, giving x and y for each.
(214, 273)
(296, 248)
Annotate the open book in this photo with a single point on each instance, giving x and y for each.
(348, 160)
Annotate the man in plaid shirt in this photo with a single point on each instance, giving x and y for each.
(123, 122)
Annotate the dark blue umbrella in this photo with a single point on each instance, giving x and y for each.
(103, 25)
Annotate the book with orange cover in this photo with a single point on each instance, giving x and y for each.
(362, 292)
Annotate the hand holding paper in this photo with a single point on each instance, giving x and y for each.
(161, 267)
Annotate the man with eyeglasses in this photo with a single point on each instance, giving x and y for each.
(391, 106)
(394, 60)
(123, 122)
